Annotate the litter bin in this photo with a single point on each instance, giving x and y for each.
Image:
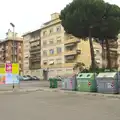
(107, 82)
(53, 83)
(69, 83)
(86, 82)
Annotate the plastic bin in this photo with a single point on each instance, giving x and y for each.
(108, 82)
(86, 82)
(69, 83)
(53, 83)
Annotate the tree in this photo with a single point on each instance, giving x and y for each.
(91, 19)
(79, 66)
(109, 27)
(79, 18)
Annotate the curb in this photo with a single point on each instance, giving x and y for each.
(81, 93)
(63, 91)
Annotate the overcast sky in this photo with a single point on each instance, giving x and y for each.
(29, 14)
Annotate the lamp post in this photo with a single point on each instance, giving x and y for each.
(13, 51)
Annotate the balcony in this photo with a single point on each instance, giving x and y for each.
(72, 52)
(71, 42)
(33, 59)
(58, 65)
(69, 64)
(35, 52)
(35, 48)
(35, 39)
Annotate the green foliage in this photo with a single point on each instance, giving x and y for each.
(79, 66)
(80, 15)
(92, 19)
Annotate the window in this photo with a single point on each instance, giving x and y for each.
(59, 61)
(51, 30)
(45, 53)
(44, 43)
(58, 29)
(51, 41)
(58, 39)
(51, 51)
(59, 50)
(44, 33)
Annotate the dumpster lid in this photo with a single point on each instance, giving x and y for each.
(107, 75)
(85, 75)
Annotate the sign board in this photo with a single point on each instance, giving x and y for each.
(9, 73)
(8, 67)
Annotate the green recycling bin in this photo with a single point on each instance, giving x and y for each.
(86, 82)
(53, 83)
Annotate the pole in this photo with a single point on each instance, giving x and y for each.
(13, 59)
(13, 50)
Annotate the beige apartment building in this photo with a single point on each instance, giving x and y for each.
(6, 49)
(60, 51)
(32, 53)
(49, 51)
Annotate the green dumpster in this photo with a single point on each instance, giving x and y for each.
(86, 82)
(53, 83)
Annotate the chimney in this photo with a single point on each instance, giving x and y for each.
(54, 16)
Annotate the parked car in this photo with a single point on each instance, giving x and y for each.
(20, 77)
(35, 78)
(30, 78)
(26, 78)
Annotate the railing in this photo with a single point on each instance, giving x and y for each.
(73, 40)
(58, 65)
(72, 52)
(35, 48)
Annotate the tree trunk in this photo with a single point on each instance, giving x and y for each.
(103, 54)
(108, 55)
(91, 51)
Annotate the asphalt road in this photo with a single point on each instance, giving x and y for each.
(57, 106)
(26, 84)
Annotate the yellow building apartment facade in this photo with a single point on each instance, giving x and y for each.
(60, 51)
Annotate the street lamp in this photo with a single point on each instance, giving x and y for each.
(13, 51)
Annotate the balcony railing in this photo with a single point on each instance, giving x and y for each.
(36, 39)
(72, 52)
(59, 65)
(34, 49)
(71, 41)
(35, 58)
(35, 52)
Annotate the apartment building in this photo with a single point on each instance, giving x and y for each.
(6, 49)
(101, 54)
(60, 51)
(32, 49)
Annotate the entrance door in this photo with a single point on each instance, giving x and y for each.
(45, 74)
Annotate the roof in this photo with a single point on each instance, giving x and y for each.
(29, 32)
(5, 40)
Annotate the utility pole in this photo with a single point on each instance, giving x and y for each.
(13, 50)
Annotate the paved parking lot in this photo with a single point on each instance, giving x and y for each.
(57, 106)
(26, 84)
